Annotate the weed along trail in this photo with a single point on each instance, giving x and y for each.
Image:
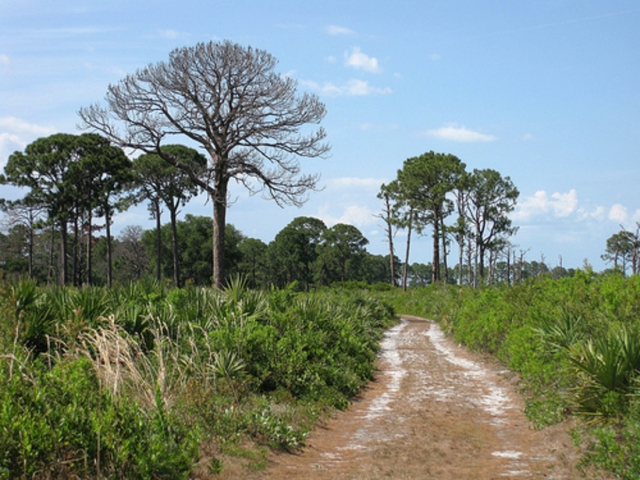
(435, 411)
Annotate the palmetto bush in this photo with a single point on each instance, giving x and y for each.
(609, 366)
(124, 383)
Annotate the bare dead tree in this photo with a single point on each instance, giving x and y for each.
(226, 98)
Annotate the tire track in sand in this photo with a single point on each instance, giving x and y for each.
(435, 411)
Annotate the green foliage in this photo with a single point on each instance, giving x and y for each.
(609, 365)
(59, 423)
(127, 382)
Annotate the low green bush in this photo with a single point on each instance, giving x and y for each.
(130, 382)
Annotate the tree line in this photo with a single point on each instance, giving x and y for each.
(432, 187)
(623, 250)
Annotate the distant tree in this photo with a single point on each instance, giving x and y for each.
(390, 224)
(195, 234)
(491, 198)
(425, 183)
(43, 169)
(107, 174)
(69, 176)
(228, 99)
(253, 265)
(161, 183)
(399, 214)
(375, 268)
(26, 218)
(341, 253)
(623, 248)
(294, 250)
(421, 274)
(131, 258)
(233, 255)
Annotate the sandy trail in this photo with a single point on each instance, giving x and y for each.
(435, 411)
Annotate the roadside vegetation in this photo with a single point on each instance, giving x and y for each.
(140, 381)
(574, 341)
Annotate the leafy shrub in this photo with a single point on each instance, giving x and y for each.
(125, 383)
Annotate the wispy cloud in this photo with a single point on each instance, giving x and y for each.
(353, 87)
(357, 215)
(15, 134)
(618, 213)
(557, 204)
(338, 30)
(366, 127)
(169, 33)
(352, 201)
(457, 133)
(16, 125)
(360, 60)
(4, 59)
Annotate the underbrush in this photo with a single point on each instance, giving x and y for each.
(575, 342)
(141, 382)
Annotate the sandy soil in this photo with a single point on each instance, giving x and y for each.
(435, 411)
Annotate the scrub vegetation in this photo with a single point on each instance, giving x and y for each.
(575, 342)
(140, 381)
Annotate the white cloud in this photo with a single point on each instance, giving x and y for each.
(599, 213)
(9, 143)
(4, 59)
(17, 125)
(459, 134)
(564, 204)
(527, 137)
(359, 216)
(353, 87)
(377, 127)
(15, 134)
(618, 213)
(560, 205)
(359, 60)
(337, 30)
(331, 59)
(434, 57)
(169, 33)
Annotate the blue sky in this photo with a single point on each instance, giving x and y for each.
(545, 92)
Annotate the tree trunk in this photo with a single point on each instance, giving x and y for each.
(392, 267)
(475, 262)
(406, 257)
(435, 273)
(174, 245)
(51, 271)
(444, 251)
(219, 224)
(63, 252)
(158, 241)
(74, 250)
(31, 239)
(481, 254)
(107, 217)
(460, 256)
(89, 248)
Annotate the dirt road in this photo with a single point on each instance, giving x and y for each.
(435, 411)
